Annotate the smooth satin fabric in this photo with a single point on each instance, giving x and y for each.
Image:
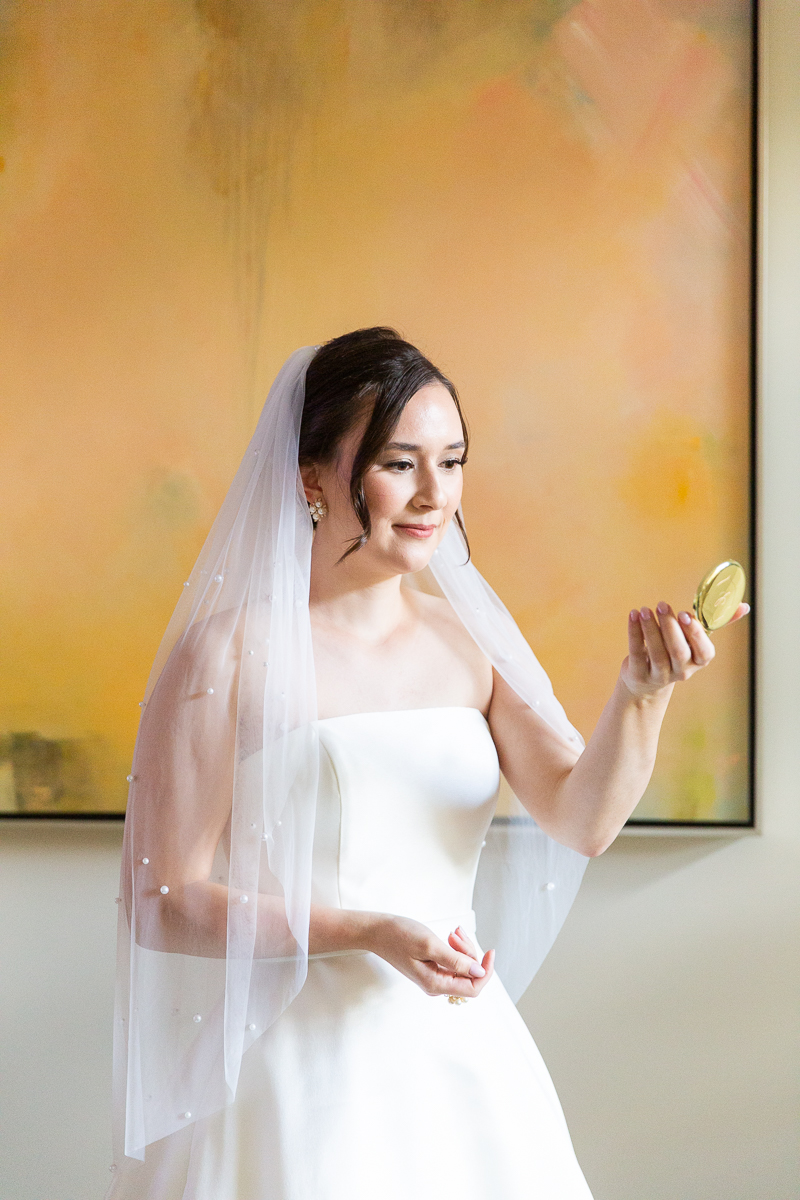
(365, 1087)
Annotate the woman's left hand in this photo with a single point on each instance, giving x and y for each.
(664, 649)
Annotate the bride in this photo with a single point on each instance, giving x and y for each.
(304, 1011)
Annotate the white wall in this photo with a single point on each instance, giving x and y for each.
(669, 1010)
(58, 926)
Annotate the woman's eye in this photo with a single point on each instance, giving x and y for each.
(402, 464)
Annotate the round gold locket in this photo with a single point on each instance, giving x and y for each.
(719, 595)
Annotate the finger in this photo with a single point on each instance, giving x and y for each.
(660, 666)
(459, 941)
(463, 944)
(741, 611)
(638, 662)
(453, 985)
(452, 962)
(440, 983)
(470, 987)
(701, 644)
(677, 647)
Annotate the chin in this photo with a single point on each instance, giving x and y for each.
(406, 560)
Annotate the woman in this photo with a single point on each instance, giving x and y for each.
(316, 772)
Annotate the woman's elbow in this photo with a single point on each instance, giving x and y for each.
(177, 920)
(595, 844)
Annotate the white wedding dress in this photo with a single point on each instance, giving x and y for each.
(366, 1088)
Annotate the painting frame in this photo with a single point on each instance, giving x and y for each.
(639, 826)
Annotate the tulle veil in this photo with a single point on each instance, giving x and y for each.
(216, 872)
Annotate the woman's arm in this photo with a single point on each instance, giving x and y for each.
(439, 968)
(583, 801)
(182, 803)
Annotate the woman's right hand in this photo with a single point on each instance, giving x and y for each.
(440, 968)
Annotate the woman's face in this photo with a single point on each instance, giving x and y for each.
(412, 491)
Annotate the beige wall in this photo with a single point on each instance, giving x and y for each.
(668, 1011)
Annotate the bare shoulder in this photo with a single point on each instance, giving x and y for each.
(208, 653)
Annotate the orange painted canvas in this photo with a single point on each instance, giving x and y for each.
(553, 200)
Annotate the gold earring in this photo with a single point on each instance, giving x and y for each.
(318, 510)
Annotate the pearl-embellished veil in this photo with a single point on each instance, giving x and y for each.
(216, 871)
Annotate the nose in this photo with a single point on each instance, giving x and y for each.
(430, 494)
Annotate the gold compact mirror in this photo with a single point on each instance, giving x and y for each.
(719, 595)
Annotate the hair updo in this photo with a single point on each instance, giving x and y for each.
(368, 371)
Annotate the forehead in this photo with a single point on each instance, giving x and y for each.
(430, 416)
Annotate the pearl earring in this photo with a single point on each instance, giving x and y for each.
(318, 510)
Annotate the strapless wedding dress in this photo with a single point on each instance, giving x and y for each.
(366, 1088)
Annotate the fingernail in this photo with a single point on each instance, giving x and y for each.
(662, 608)
(459, 930)
(646, 614)
(747, 608)
(684, 618)
(476, 970)
(634, 614)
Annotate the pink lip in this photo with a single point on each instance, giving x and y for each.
(418, 531)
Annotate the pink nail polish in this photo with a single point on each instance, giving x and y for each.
(476, 970)
(684, 618)
(646, 614)
(634, 614)
(662, 608)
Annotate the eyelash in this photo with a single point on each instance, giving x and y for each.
(449, 464)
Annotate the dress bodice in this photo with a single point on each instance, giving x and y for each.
(405, 799)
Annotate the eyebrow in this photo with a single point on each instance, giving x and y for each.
(410, 447)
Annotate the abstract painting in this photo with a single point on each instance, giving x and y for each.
(553, 199)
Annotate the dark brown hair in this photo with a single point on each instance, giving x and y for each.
(368, 371)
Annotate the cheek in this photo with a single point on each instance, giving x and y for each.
(389, 495)
(386, 494)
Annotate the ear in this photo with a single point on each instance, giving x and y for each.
(311, 484)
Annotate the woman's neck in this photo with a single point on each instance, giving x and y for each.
(368, 609)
